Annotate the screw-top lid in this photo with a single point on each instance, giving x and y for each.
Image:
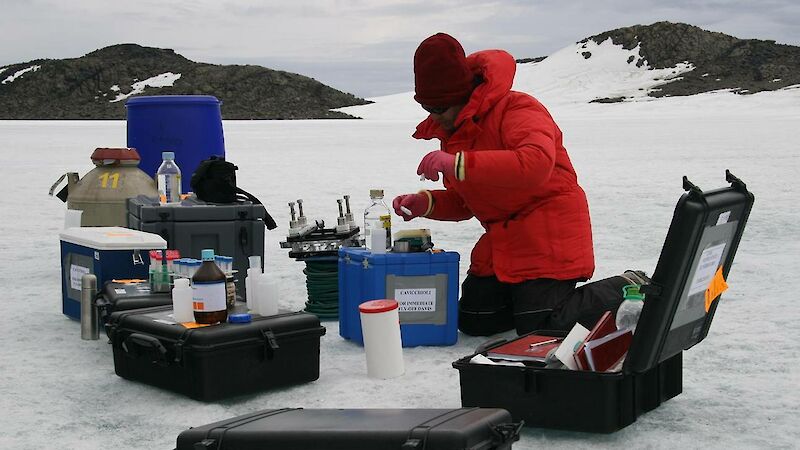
(168, 156)
(631, 292)
(181, 282)
(120, 154)
(207, 254)
(376, 193)
(378, 306)
(240, 318)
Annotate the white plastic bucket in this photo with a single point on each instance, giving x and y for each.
(380, 325)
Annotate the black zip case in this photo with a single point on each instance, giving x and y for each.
(117, 296)
(703, 237)
(217, 361)
(354, 429)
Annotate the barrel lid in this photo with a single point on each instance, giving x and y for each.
(378, 306)
(171, 99)
(121, 154)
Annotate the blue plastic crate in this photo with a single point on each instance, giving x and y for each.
(425, 284)
(105, 252)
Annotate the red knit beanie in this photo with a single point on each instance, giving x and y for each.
(441, 74)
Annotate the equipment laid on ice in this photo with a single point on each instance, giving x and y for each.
(318, 247)
(680, 302)
(101, 194)
(355, 429)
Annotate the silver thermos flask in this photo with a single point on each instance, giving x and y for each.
(89, 327)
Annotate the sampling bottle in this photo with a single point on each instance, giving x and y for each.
(378, 221)
(209, 292)
(631, 307)
(169, 179)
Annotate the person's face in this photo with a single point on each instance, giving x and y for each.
(447, 117)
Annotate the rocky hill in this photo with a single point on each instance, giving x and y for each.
(96, 86)
(745, 66)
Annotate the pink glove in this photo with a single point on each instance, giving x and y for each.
(435, 162)
(416, 204)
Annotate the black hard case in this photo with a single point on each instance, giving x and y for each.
(117, 296)
(218, 361)
(235, 229)
(671, 321)
(354, 429)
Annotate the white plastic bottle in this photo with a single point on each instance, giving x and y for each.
(169, 179)
(182, 301)
(630, 309)
(377, 223)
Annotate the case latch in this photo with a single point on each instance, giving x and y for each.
(270, 344)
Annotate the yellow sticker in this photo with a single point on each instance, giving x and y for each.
(194, 324)
(715, 288)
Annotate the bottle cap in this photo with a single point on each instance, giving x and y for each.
(631, 292)
(207, 254)
(168, 155)
(181, 282)
(376, 193)
(240, 318)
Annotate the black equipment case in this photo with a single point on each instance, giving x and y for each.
(235, 229)
(354, 429)
(213, 362)
(705, 231)
(124, 296)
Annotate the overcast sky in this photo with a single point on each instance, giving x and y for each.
(360, 46)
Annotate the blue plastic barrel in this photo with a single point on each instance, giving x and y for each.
(189, 125)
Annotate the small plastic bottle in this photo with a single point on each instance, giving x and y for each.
(631, 308)
(209, 296)
(182, 301)
(169, 179)
(377, 219)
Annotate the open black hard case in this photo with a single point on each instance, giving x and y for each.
(117, 296)
(704, 234)
(354, 429)
(217, 361)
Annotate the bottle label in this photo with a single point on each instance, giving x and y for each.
(386, 221)
(209, 297)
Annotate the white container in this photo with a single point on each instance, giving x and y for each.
(266, 295)
(72, 218)
(182, 301)
(380, 325)
(250, 289)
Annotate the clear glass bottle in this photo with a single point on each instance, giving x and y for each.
(168, 177)
(631, 308)
(377, 218)
(209, 295)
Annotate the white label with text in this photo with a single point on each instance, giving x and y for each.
(416, 299)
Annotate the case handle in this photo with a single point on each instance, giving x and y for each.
(158, 352)
(508, 432)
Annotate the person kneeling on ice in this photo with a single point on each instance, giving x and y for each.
(502, 161)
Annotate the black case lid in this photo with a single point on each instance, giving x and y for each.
(704, 235)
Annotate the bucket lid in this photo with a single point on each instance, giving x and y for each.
(171, 99)
(112, 238)
(378, 306)
(121, 154)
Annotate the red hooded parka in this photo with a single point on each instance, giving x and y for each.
(519, 182)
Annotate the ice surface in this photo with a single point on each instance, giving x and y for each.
(740, 387)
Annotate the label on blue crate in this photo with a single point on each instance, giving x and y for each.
(75, 274)
(416, 299)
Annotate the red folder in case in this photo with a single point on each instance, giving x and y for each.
(606, 352)
(606, 325)
(527, 348)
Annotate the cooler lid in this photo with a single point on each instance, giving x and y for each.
(171, 99)
(697, 255)
(112, 238)
(359, 254)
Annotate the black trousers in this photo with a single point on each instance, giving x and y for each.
(489, 306)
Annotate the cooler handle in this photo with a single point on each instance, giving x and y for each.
(157, 350)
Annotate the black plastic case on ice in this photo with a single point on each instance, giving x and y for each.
(117, 296)
(354, 429)
(217, 361)
(704, 234)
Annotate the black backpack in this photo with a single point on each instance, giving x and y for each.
(214, 181)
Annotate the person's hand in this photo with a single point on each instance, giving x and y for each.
(437, 162)
(409, 206)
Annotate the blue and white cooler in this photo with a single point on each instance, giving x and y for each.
(424, 284)
(108, 253)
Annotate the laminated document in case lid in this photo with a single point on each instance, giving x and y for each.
(113, 238)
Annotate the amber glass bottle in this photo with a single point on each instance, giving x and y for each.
(208, 291)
